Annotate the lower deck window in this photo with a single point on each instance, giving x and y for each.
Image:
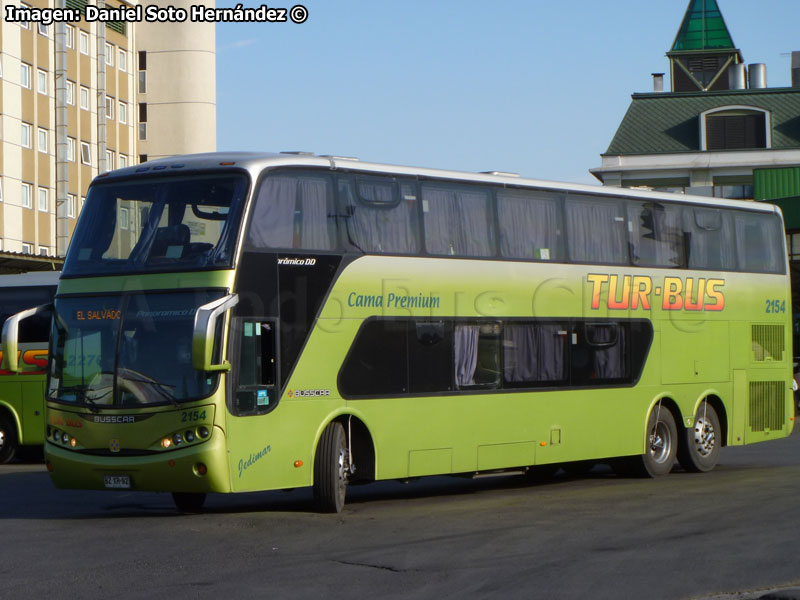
(407, 357)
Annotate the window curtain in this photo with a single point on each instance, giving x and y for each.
(382, 227)
(457, 222)
(710, 238)
(466, 353)
(291, 212)
(534, 353)
(596, 230)
(758, 242)
(530, 225)
(609, 353)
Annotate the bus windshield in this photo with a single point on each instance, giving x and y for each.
(110, 351)
(157, 224)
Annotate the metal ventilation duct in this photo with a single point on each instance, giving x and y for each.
(737, 77)
(758, 76)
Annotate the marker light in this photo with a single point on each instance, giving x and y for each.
(50, 466)
(56, 434)
(200, 469)
(177, 439)
(65, 438)
(73, 442)
(189, 436)
(202, 431)
(166, 443)
(298, 464)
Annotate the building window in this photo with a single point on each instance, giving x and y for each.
(109, 107)
(142, 82)
(83, 201)
(122, 60)
(123, 218)
(70, 92)
(142, 131)
(26, 195)
(43, 203)
(43, 251)
(25, 75)
(41, 81)
(27, 248)
(70, 36)
(109, 54)
(110, 160)
(123, 161)
(44, 29)
(142, 158)
(71, 201)
(84, 42)
(142, 60)
(42, 140)
(84, 98)
(735, 128)
(71, 149)
(142, 112)
(26, 136)
(123, 112)
(24, 24)
(86, 154)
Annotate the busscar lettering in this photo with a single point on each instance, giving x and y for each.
(633, 292)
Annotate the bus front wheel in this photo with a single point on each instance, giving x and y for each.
(331, 467)
(187, 502)
(8, 439)
(699, 448)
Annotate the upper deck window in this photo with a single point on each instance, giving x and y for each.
(293, 211)
(458, 220)
(170, 224)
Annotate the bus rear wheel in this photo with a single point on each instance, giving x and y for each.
(700, 445)
(8, 439)
(331, 468)
(188, 502)
(661, 445)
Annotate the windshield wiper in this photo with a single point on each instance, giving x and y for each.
(81, 395)
(163, 389)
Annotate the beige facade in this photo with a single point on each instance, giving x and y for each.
(180, 94)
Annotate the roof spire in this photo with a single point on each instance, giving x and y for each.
(703, 28)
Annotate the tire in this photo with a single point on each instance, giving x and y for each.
(331, 468)
(700, 444)
(188, 502)
(9, 442)
(661, 445)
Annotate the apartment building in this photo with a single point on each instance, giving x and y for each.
(123, 84)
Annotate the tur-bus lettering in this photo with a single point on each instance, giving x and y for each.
(636, 291)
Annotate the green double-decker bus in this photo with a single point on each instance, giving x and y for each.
(22, 392)
(243, 322)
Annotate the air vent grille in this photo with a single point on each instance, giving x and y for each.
(767, 405)
(768, 343)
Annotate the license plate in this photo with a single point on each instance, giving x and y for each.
(119, 482)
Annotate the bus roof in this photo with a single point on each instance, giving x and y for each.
(255, 162)
(34, 278)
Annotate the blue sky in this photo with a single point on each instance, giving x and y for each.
(535, 87)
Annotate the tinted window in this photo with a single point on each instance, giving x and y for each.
(656, 234)
(759, 242)
(535, 353)
(596, 230)
(13, 300)
(530, 225)
(458, 221)
(293, 212)
(380, 215)
(158, 224)
(709, 238)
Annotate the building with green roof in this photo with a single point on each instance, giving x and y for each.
(717, 125)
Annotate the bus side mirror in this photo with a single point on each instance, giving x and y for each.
(205, 332)
(10, 336)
